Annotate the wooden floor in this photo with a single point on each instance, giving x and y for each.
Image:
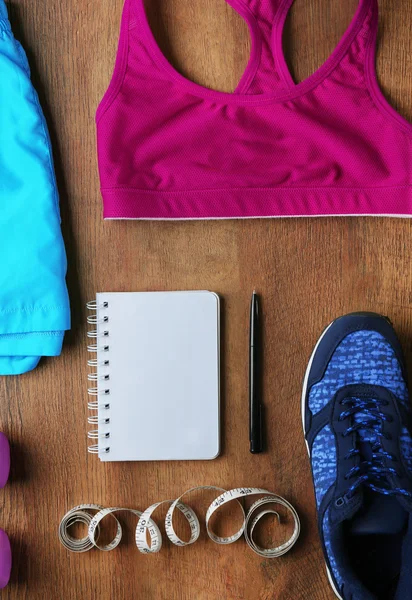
(308, 272)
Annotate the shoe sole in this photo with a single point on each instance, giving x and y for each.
(305, 387)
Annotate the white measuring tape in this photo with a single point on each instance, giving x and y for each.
(93, 514)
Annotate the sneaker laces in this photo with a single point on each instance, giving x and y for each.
(373, 473)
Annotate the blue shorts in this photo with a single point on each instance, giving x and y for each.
(34, 304)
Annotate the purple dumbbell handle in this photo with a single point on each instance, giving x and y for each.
(5, 548)
(4, 460)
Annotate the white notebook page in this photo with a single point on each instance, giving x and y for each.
(163, 353)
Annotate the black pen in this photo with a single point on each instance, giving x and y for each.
(255, 406)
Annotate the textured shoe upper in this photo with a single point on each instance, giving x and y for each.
(357, 416)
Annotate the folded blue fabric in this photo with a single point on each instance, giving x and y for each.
(34, 303)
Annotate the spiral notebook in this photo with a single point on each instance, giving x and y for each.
(154, 386)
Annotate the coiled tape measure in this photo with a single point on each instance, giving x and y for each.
(148, 535)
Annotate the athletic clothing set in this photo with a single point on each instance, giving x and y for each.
(171, 149)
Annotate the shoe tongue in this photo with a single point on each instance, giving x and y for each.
(378, 514)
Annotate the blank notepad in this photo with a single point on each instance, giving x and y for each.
(157, 388)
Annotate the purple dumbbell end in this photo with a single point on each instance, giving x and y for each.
(5, 559)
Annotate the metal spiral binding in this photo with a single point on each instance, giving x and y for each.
(101, 387)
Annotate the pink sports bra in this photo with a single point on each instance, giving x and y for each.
(330, 145)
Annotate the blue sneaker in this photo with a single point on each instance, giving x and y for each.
(357, 424)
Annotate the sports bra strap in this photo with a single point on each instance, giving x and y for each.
(267, 70)
(266, 19)
(262, 73)
(355, 37)
(263, 9)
